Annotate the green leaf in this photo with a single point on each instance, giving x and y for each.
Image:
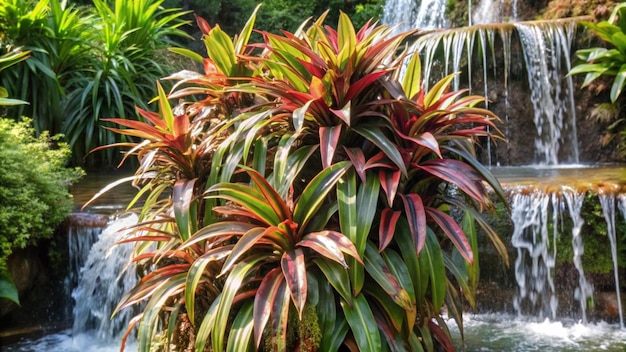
(221, 50)
(196, 271)
(337, 276)
(233, 283)
(240, 336)
(244, 36)
(188, 53)
(412, 81)
(618, 84)
(432, 260)
(362, 323)
(380, 272)
(208, 322)
(184, 207)
(348, 221)
(7, 288)
(315, 192)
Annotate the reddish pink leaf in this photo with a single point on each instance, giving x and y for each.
(294, 270)
(329, 137)
(270, 288)
(458, 173)
(390, 180)
(203, 25)
(388, 220)
(358, 86)
(453, 231)
(416, 216)
(357, 158)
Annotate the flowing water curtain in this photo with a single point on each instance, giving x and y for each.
(494, 11)
(546, 46)
(411, 14)
(607, 201)
(448, 51)
(547, 49)
(106, 276)
(584, 291)
(535, 262)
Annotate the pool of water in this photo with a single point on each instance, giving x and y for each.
(500, 332)
(483, 333)
(609, 178)
(65, 341)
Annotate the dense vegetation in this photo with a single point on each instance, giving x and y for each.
(86, 63)
(285, 179)
(34, 192)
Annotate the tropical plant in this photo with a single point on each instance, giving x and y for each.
(597, 62)
(128, 42)
(294, 171)
(86, 63)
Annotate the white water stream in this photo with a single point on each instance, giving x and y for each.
(104, 276)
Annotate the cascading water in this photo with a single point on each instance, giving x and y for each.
(546, 51)
(495, 11)
(546, 46)
(535, 261)
(608, 209)
(104, 279)
(584, 291)
(103, 274)
(410, 14)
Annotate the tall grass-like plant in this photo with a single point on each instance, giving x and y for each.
(128, 43)
(86, 63)
(300, 196)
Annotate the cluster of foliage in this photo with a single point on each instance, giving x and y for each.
(292, 172)
(277, 15)
(13, 56)
(86, 63)
(599, 62)
(34, 186)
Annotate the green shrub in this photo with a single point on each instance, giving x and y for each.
(34, 195)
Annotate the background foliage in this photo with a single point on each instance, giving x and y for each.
(34, 180)
(87, 62)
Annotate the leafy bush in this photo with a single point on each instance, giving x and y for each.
(86, 63)
(34, 192)
(293, 172)
(608, 62)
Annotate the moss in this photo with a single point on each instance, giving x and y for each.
(597, 256)
(309, 332)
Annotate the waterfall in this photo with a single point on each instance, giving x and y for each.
(495, 11)
(546, 47)
(411, 14)
(535, 262)
(608, 210)
(105, 277)
(584, 291)
(546, 50)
